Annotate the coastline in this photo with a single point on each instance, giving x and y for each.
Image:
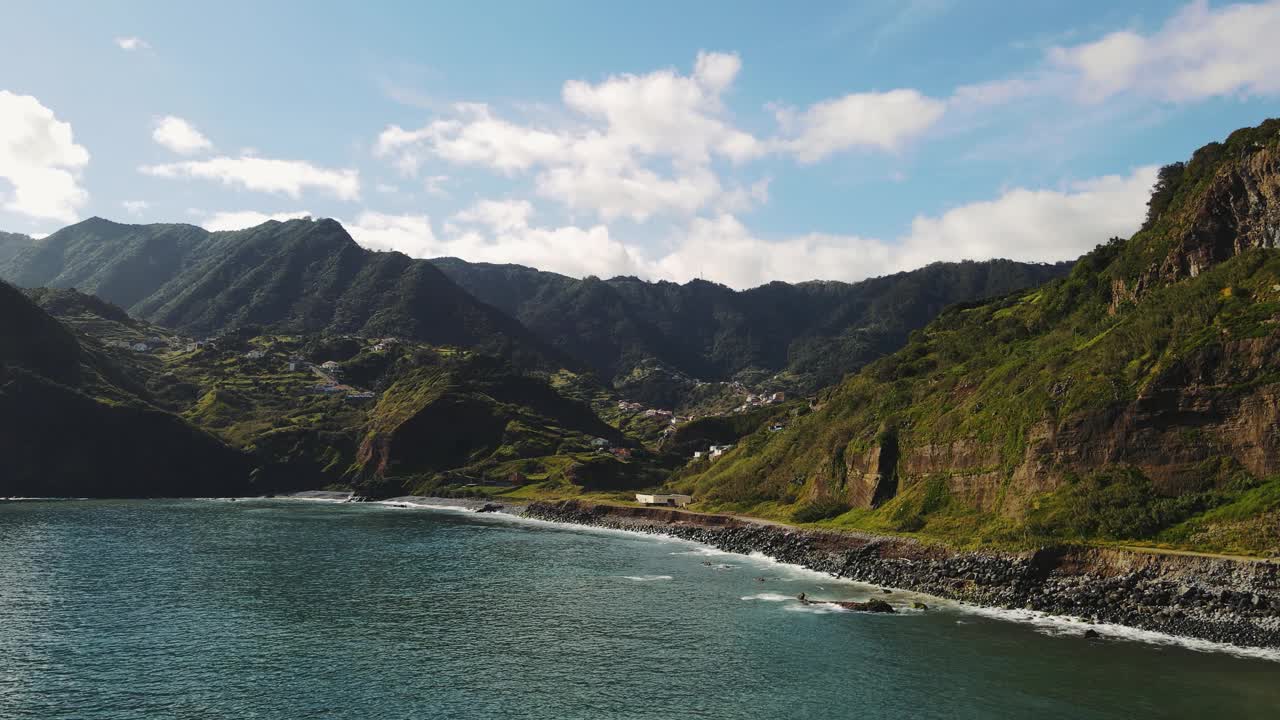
(1219, 600)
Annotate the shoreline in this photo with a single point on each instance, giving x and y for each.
(1218, 600)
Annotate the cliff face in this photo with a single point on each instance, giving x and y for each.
(1139, 398)
(1238, 211)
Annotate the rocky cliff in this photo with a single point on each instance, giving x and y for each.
(1136, 399)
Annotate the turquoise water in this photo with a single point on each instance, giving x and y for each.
(291, 609)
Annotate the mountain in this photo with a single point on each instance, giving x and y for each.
(299, 276)
(13, 243)
(1135, 400)
(780, 336)
(74, 424)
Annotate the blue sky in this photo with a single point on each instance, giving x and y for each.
(740, 142)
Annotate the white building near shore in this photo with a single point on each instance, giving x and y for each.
(664, 500)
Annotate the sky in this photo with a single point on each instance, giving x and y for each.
(739, 142)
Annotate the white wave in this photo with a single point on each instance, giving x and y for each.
(1067, 626)
(410, 504)
(319, 496)
(647, 578)
(705, 550)
(769, 597)
(815, 608)
(18, 498)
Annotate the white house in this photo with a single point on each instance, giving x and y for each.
(718, 450)
(255, 354)
(666, 500)
(329, 366)
(697, 454)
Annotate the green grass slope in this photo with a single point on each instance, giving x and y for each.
(1135, 400)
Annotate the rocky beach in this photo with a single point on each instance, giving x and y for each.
(1219, 599)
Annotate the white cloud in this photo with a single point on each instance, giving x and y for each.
(1033, 225)
(1021, 224)
(40, 160)
(601, 159)
(179, 136)
(475, 137)
(240, 219)
(409, 234)
(287, 177)
(1200, 53)
(500, 231)
(135, 207)
(434, 185)
(636, 193)
(132, 43)
(497, 215)
(877, 120)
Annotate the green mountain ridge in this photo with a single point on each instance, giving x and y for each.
(1134, 400)
(779, 336)
(297, 276)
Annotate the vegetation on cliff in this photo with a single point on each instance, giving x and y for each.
(653, 339)
(300, 276)
(1133, 400)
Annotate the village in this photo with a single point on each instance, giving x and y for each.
(328, 373)
(329, 381)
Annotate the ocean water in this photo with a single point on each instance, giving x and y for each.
(293, 609)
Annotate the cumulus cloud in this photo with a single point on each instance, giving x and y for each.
(878, 120)
(286, 177)
(500, 231)
(132, 43)
(241, 219)
(179, 136)
(1019, 224)
(39, 160)
(636, 146)
(1033, 225)
(409, 234)
(1200, 52)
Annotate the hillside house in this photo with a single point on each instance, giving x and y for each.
(330, 366)
(600, 443)
(718, 450)
(255, 354)
(140, 347)
(697, 454)
(664, 500)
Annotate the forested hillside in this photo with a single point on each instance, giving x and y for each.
(778, 336)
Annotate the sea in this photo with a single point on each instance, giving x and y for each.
(291, 608)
